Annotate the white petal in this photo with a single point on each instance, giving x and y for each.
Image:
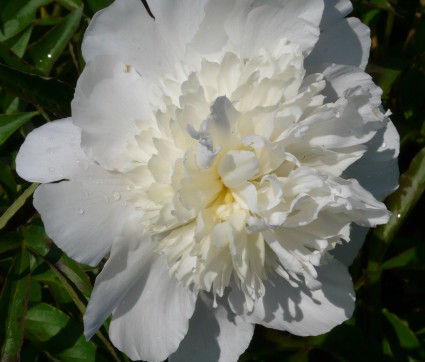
(334, 11)
(153, 317)
(51, 153)
(237, 166)
(347, 252)
(126, 29)
(353, 119)
(377, 171)
(270, 21)
(84, 216)
(212, 36)
(340, 78)
(215, 334)
(130, 259)
(346, 42)
(109, 99)
(302, 311)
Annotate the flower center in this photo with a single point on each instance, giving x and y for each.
(239, 188)
(228, 206)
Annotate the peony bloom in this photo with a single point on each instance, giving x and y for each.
(229, 155)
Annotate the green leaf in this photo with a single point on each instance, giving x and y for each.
(47, 93)
(29, 353)
(7, 177)
(13, 306)
(386, 77)
(37, 240)
(92, 6)
(343, 342)
(418, 40)
(371, 16)
(9, 242)
(49, 21)
(18, 44)
(7, 57)
(11, 123)
(19, 202)
(406, 338)
(412, 186)
(412, 92)
(412, 258)
(16, 15)
(382, 4)
(35, 291)
(70, 4)
(6, 100)
(46, 51)
(68, 272)
(54, 331)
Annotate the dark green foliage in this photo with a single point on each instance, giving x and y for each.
(44, 293)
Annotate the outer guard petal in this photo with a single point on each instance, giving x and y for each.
(51, 153)
(347, 252)
(82, 217)
(334, 11)
(215, 334)
(125, 29)
(346, 42)
(302, 311)
(71, 209)
(267, 22)
(377, 171)
(153, 317)
(128, 263)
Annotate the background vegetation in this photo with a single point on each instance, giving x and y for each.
(44, 293)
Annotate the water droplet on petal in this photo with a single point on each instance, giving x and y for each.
(398, 216)
(384, 145)
(194, 269)
(116, 195)
(51, 169)
(81, 211)
(49, 55)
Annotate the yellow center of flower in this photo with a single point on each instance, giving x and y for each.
(228, 206)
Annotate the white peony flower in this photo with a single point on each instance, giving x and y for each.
(229, 156)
